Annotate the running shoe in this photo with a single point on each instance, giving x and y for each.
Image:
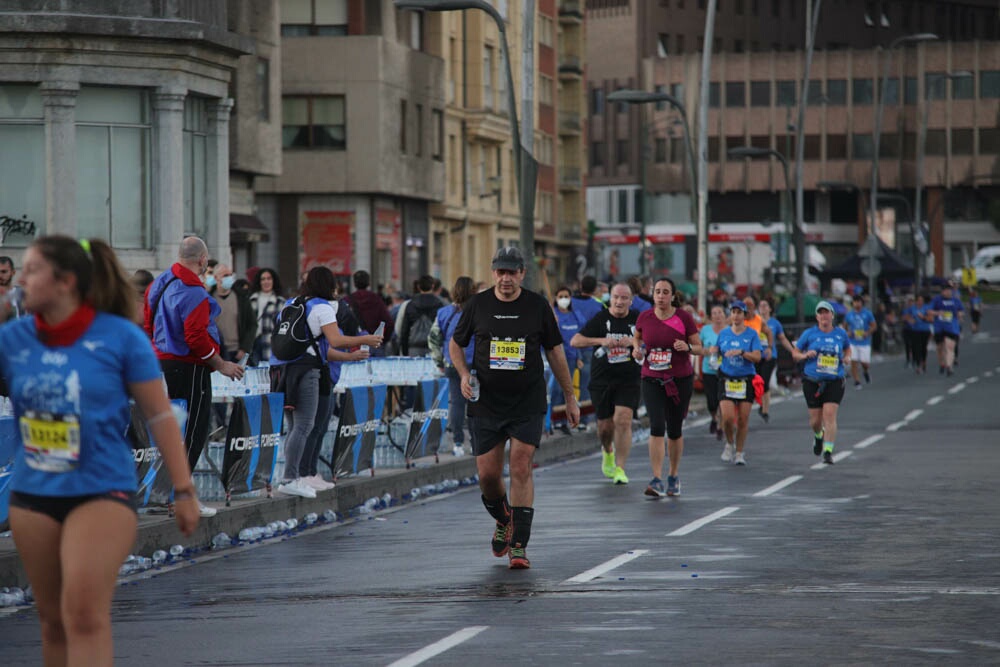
(828, 458)
(857, 385)
(673, 485)
(608, 464)
(458, 450)
(519, 559)
(739, 460)
(501, 539)
(818, 444)
(619, 476)
(727, 453)
(868, 378)
(766, 417)
(950, 372)
(655, 488)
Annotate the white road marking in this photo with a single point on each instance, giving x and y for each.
(871, 440)
(988, 374)
(934, 400)
(837, 458)
(913, 414)
(774, 488)
(972, 380)
(603, 568)
(439, 647)
(957, 388)
(896, 426)
(704, 521)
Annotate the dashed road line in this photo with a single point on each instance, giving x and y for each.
(869, 441)
(606, 567)
(896, 426)
(972, 380)
(913, 414)
(957, 388)
(774, 488)
(439, 647)
(704, 521)
(837, 458)
(934, 400)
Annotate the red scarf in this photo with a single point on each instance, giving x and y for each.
(69, 330)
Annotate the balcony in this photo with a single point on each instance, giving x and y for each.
(488, 125)
(570, 178)
(571, 12)
(570, 231)
(570, 123)
(570, 67)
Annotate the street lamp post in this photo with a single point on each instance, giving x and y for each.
(644, 97)
(796, 231)
(877, 136)
(525, 166)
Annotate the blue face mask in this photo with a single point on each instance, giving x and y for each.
(227, 282)
(606, 297)
(210, 282)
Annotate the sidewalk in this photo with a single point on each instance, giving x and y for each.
(159, 531)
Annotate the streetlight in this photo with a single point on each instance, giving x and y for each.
(754, 152)
(877, 136)
(629, 96)
(921, 245)
(525, 165)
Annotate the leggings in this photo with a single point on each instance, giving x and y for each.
(666, 415)
(920, 339)
(710, 381)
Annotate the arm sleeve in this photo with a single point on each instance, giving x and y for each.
(196, 332)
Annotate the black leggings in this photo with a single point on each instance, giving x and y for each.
(919, 352)
(710, 382)
(665, 415)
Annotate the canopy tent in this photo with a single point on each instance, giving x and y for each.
(893, 266)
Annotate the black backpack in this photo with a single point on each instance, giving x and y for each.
(420, 331)
(291, 336)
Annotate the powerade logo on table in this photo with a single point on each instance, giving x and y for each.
(252, 443)
(360, 416)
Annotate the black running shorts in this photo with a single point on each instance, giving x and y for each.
(605, 396)
(488, 432)
(818, 393)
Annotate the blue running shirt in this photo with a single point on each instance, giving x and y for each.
(858, 324)
(748, 341)
(828, 364)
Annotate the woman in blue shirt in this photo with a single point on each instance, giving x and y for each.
(70, 370)
(570, 322)
(765, 369)
(917, 318)
(947, 310)
(441, 334)
(740, 348)
(827, 353)
(710, 363)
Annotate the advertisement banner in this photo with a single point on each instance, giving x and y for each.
(8, 449)
(251, 444)
(360, 417)
(154, 488)
(327, 240)
(388, 238)
(430, 417)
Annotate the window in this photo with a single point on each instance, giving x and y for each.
(502, 101)
(735, 95)
(621, 152)
(195, 178)
(545, 86)
(113, 134)
(637, 205)
(775, 7)
(814, 95)
(737, 46)
(910, 90)
(488, 100)
(679, 44)
(836, 147)
(454, 165)
(812, 146)
(677, 90)
(304, 18)
(264, 89)
(713, 149)
(597, 154)
(713, 95)
(660, 150)
(596, 101)
(22, 171)
(415, 36)
(662, 45)
(935, 86)
(785, 94)
(437, 120)
(545, 30)
(935, 142)
(736, 141)
(862, 92)
(677, 150)
(402, 126)
(989, 85)
(888, 145)
(989, 141)
(836, 92)
(862, 147)
(420, 130)
(961, 141)
(314, 122)
(963, 88)
(891, 88)
(760, 141)
(738, 6)
(622, 107)
(622, 213)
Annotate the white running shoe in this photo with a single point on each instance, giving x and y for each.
(206, 511)
(727, 453)
(458, 450)
(297, 487)
(739, 460)
(318, 483)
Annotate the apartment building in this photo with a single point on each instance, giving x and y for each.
(479, 208)
(115, 122)
(947, 87)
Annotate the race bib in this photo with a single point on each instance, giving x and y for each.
(860, 333)
(763, 338)
(51, 441)
(617, 355)
(827, 364)
(659, 360)
(946, 315)
(736, 389)
(507, 355)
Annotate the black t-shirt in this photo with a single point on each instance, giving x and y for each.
(508, 360)
(617, 365)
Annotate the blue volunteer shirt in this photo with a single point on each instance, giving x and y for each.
(72, 405)
(748, 341)
(858, 325)
(828, 364)
(447, 319)
(946, 317)
(569, 326)
(775, 326)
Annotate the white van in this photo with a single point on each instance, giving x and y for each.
(987, 265)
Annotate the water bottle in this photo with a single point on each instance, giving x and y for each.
(247, 535)
(329, 516)
(387, 501)
(714, 361)
(11, 596)
(311, 518)
(474, 385)
(176, 551)
(414, 493)
(221, 541)
(159, 557)
(600, 352)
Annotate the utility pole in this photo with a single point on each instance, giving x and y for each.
(706, 70)
(528, 132)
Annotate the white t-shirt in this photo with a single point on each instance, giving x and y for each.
(321, 315)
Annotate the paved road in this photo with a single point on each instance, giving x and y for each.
(890, 556)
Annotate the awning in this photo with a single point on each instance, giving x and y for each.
(247, 229)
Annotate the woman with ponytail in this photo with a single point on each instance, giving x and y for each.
(70, 370)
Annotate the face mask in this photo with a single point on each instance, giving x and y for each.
(563, 303)
(606, 297)
(210, 282)
(227, 282)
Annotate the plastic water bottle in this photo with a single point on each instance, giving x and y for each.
(292, 523)
(221, 541)
(159, 557)
(247, 535)
(11, 596)
(176, 551)
(600, 352)
(330, 516)
(474, 385)
(387, 500)
(414, 493)
(311, 518)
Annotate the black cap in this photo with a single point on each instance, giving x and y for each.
(509, 259)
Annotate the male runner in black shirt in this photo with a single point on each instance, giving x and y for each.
(511, 326)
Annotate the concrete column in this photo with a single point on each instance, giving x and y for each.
(59, 99)
(168, 173)
(217, 177)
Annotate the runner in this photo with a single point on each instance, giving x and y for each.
(710, 363)
(614, 378)
(511, 326)
(975, 308)
(765, 369)
(860, 325)
(916, 316)
(671, 337)
(741, 349)
(827, 353)
(947, 311)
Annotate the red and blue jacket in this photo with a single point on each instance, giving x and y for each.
(182, 327)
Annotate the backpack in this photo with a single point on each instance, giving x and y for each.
(291, 336)
(420, 331)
